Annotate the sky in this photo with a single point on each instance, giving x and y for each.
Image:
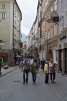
(28, 9)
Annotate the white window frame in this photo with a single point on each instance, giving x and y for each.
(55, 5)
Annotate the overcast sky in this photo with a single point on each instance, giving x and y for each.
(28, 9)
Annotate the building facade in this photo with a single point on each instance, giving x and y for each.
(62, 39)
(10, 18)
(49, 33)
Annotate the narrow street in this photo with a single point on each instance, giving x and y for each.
(12, 88)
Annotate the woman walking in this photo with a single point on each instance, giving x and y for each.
(34, 68)
(52, 71)
(46, 70)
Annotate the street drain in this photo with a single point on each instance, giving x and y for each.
(17, 81)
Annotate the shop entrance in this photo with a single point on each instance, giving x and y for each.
(60, 60)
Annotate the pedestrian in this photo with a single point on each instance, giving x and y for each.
(25, 68)
(38, 61)
(1, 60)
(15, 59)
(52, 71)
(34, 68)
(31, 61)
(20, 65)
(46, 70)
(42, 64)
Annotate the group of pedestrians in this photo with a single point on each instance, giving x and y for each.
(49, 69)
(30, 65)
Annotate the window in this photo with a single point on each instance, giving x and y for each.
(55, 29)
(48, 34)
(46, 37)
(3, 15)
(3, 6)
(51, 32)
(55, 55)
(52, 9)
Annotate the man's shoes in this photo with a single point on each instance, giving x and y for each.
(54, 82)
(46, 82)
(26, 82)
(23, 82)
(34, 82)
(51, 81)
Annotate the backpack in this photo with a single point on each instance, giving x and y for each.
(26, 67)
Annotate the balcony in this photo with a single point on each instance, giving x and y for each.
(53, 17)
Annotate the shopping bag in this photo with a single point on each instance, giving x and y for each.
(19, 67)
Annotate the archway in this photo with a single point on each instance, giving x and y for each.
(60, 57)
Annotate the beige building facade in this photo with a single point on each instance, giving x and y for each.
(10, 22)
(49, 29)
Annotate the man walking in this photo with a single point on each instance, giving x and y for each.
(0, 64)
(42, 63)
(25, 68)
(34, 68)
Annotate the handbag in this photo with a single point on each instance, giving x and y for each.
(52, 70)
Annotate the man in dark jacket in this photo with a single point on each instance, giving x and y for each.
(42, 63)
(0, 64)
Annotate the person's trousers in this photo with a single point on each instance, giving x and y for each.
(52, 76)
(46, 78)
(25, 76)
(34, 77)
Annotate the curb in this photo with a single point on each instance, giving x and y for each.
(8, 72)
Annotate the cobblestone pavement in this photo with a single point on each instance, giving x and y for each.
(12, 88)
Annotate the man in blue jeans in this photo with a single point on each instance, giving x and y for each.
(25, 68)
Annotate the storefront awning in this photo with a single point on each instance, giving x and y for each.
(3, 54)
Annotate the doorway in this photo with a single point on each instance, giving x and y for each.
(65, 60)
